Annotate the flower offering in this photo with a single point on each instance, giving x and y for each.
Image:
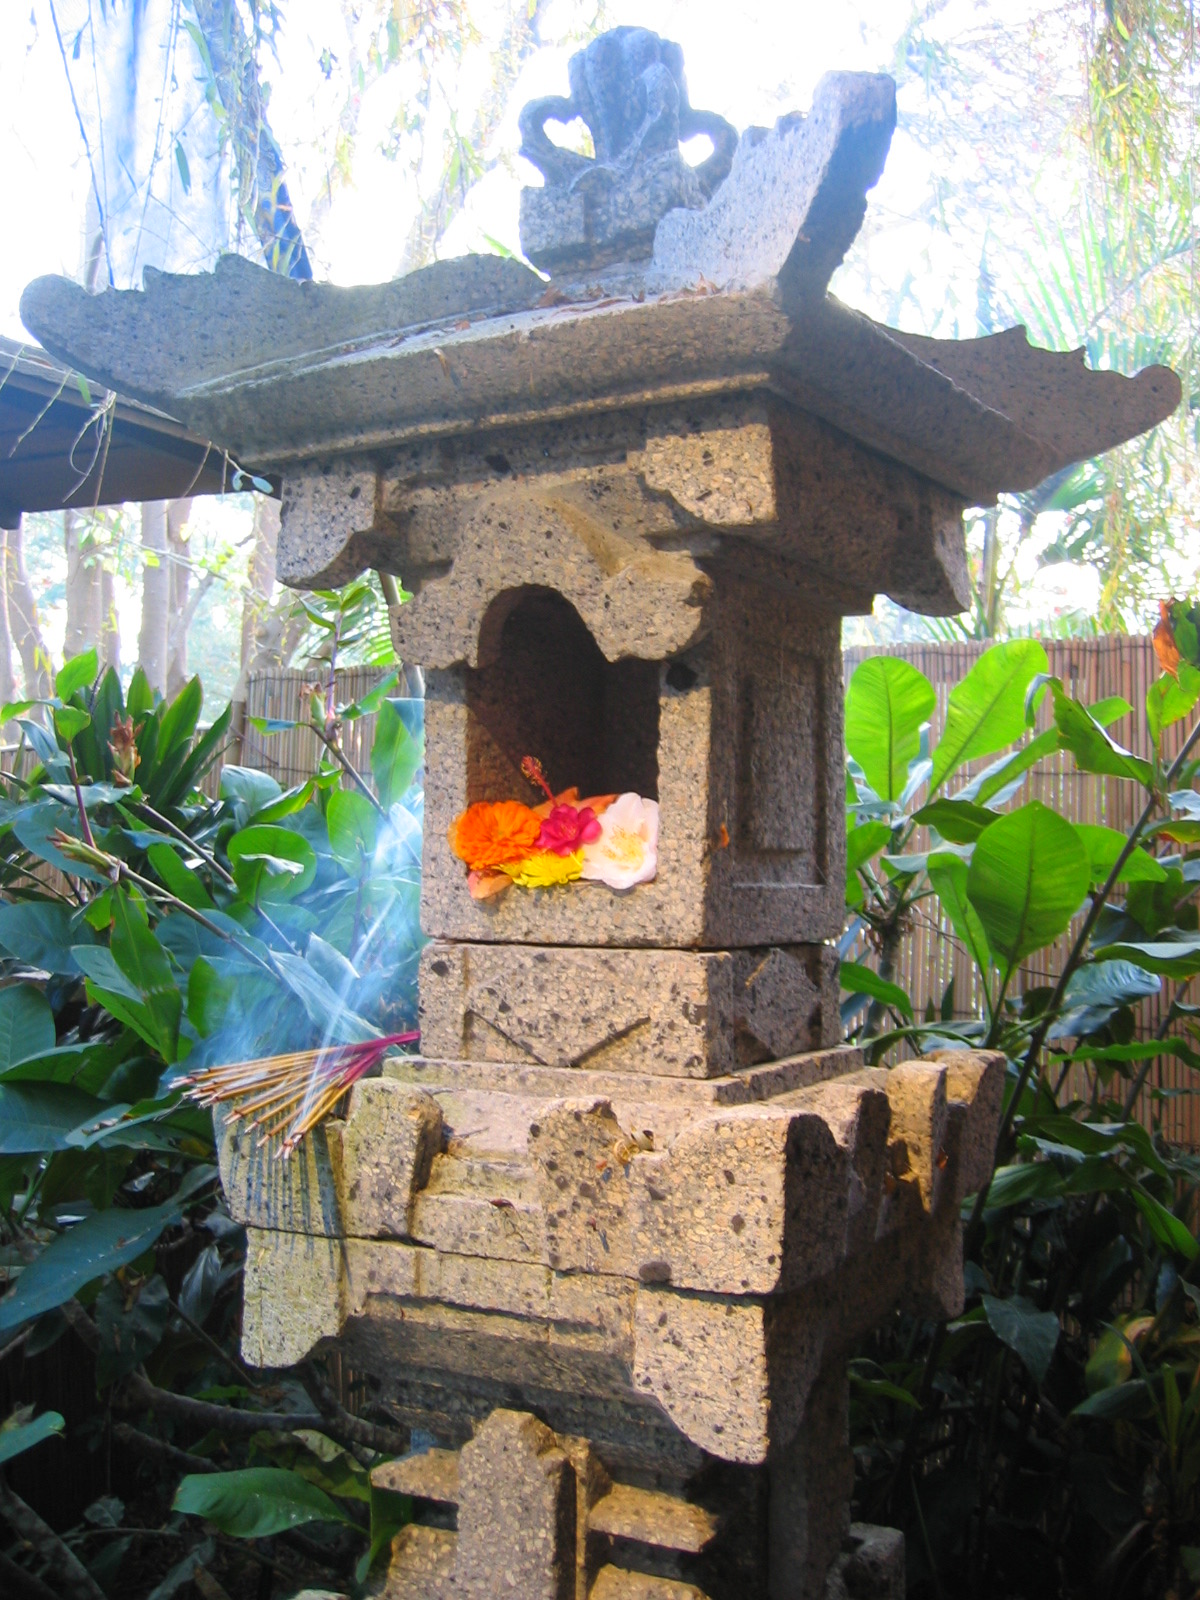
(609, 839)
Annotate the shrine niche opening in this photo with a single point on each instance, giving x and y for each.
(544, 688)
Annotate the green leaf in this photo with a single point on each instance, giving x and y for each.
(1104, 845)
(78, 673)
(26, 1024)
(1031, 1333)
(353, 824)
(960, 821)
(100, 1244)
(856, 979)
(179, 722)
(179, 878)
(16, 1438)
(1172, 1235)
(1125, 1401)
(40, 933)
(887, 703)
(272, 861)
(1027, 878)
(398, 750)
(130, 1328)
(248, 787)
(146, 965)
(139, 702)
(1171, 958)
(255, 1502)
(37, 1117)
(209, 997)
(1094, 750)
(181, 161)
(389, 1513)
(34, 826)
(948, 875)
(986, 710)
(1169, 699)
(69, 721)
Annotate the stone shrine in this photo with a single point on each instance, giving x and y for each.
(609, 1239)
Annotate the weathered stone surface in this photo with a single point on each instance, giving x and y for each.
(388, 1143)
(648, 1516)
(976, 1079)
(351, 1178)
(327, 520)
(917, 1094)
(682, 1013)
(795, 198)
(429, 1475)
(870, 1566)
(615, 1583)
(294, 1295)
(694, 1353)
(517, 1515)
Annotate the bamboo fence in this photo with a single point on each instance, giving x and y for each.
(1091, 670)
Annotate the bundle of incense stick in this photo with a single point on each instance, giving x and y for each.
(286, 1096)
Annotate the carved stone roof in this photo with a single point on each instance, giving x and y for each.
(714, 295)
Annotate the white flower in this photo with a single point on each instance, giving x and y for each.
(627, 850)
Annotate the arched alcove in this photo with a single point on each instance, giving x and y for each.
(544, 688)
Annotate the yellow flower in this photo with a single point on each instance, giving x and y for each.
(544, 869)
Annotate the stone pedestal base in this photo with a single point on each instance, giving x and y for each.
(521, 1511)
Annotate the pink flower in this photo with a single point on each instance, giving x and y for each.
(568, 828)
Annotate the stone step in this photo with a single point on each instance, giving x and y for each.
(651, 1517)
(489, 1176)
(615, 1583)
(432, 1475)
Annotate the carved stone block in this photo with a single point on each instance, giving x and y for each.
(674, 1012)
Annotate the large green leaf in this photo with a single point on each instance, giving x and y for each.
(34, 827)
(130, 1327)
(26, 1024)
(255, 1502)
(1168, 699)
(77, 673)
(948, 875)
(145, 964)
(1027, 878)
(1031, 1333)
(856, 979)
(353, 824)
(248, 789)
(1104, 845)
(1094, 749)
(179, 878)
(40, 933)
(887, 704)
(1172, 958)
(271, 862)
(100, 1244)
(398, 749)
(37, 1117)
(959, 821)
(986, 710)
(17, 1437)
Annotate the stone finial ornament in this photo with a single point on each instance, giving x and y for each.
(627, 86)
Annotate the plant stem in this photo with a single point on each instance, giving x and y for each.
(334, 747)
(209, 859)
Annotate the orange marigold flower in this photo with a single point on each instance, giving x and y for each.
(492, 833)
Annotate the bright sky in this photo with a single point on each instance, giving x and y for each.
(750, 67)
(751, 64)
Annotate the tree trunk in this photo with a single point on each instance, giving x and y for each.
(260, 577)
(110, 622)
(156, 585)
(85, 600)
(22, 611)
(179, 615)
(8, 680)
